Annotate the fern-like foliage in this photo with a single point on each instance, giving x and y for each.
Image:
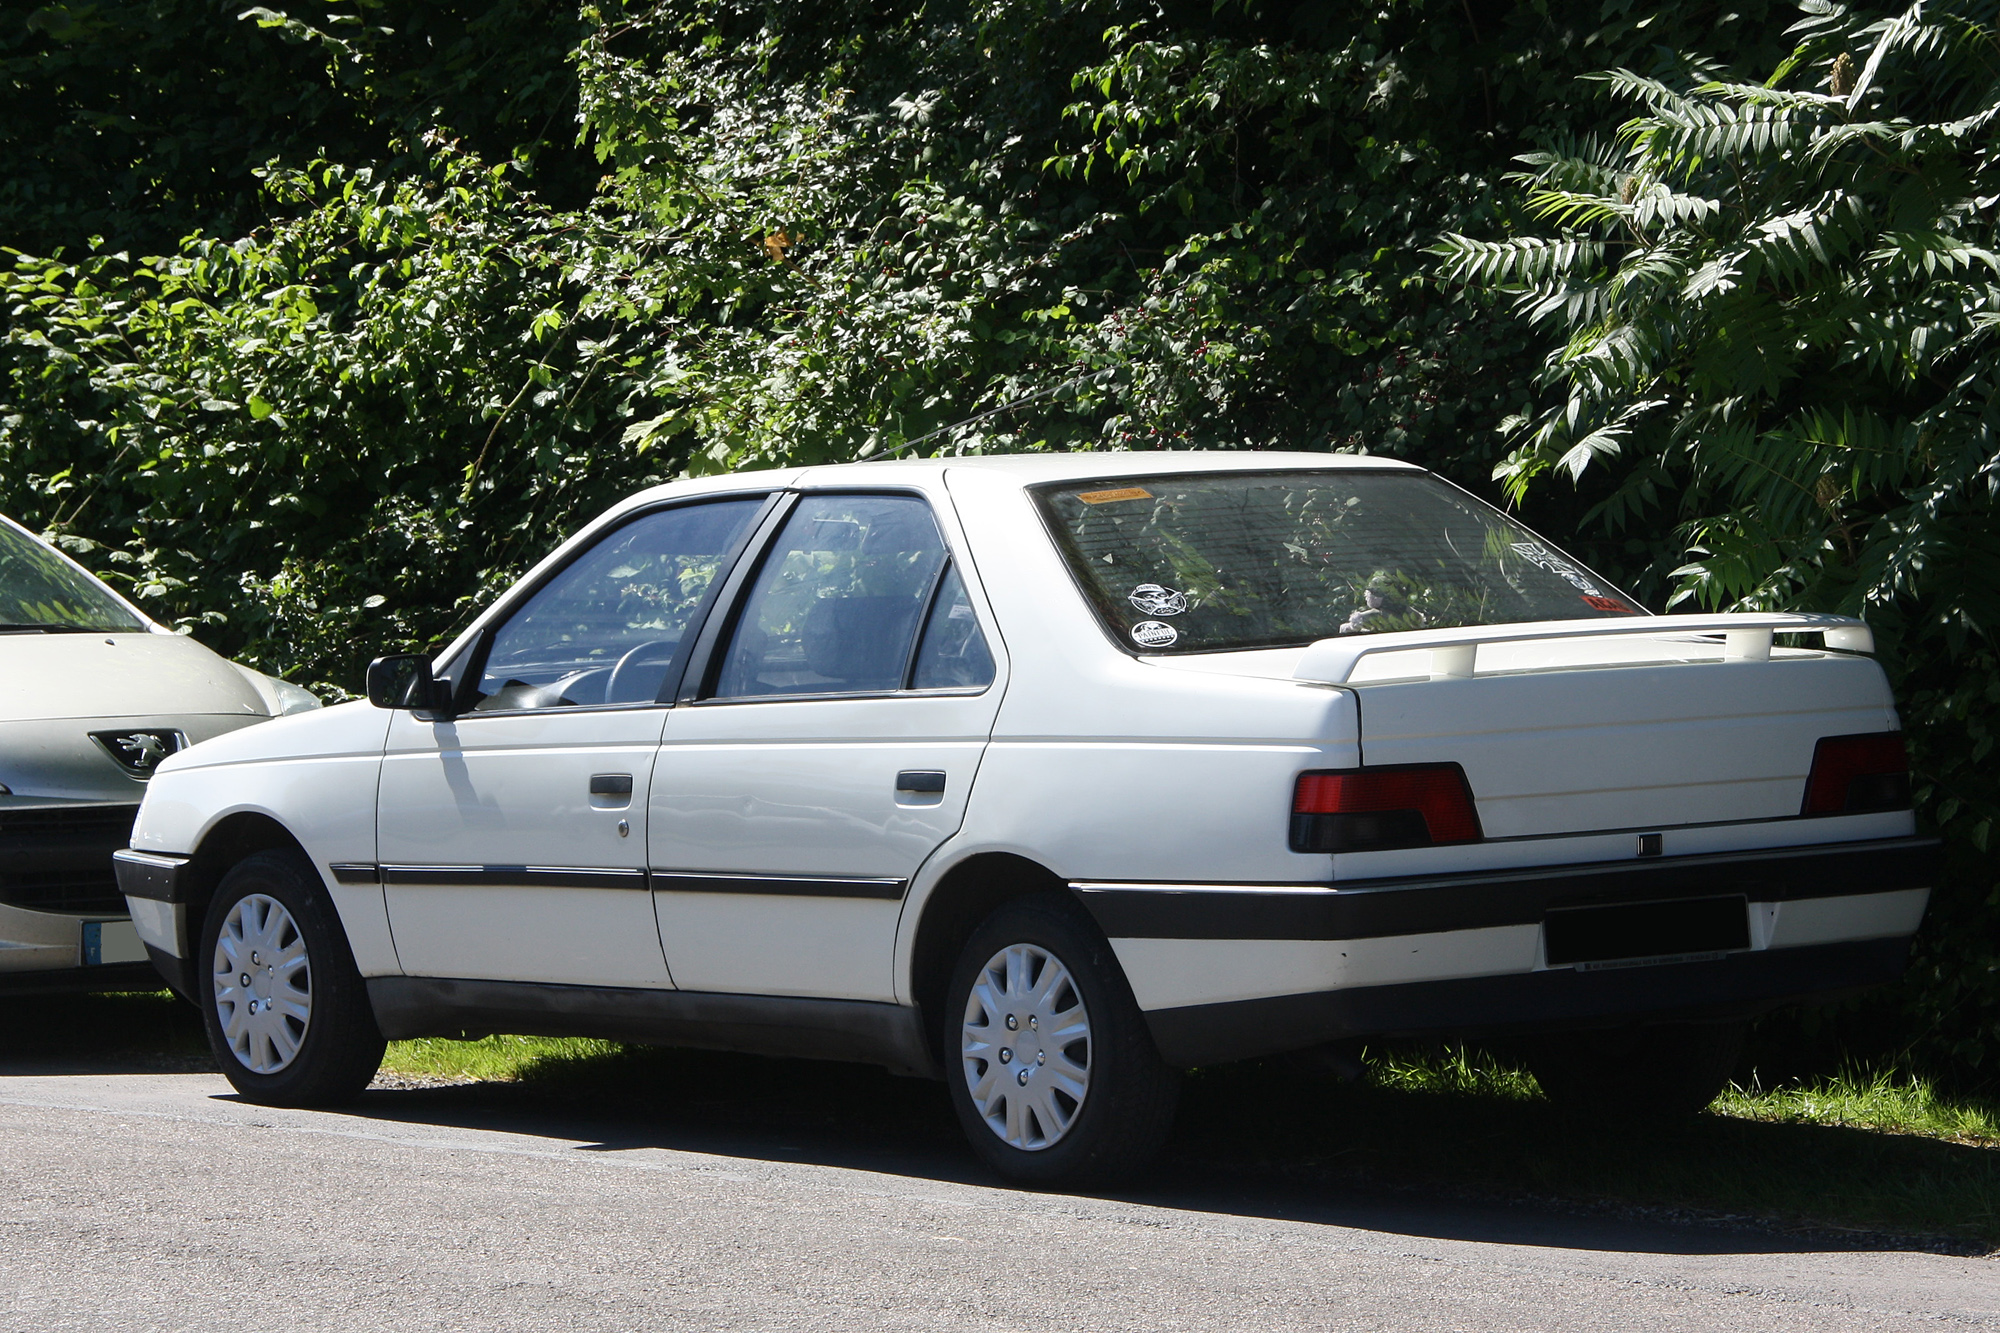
(1772, 305)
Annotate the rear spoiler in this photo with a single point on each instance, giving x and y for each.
(1455, 652)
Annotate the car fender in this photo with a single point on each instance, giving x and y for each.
(315, 775)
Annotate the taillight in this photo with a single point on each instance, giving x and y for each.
(1855, 774)
(1374, 809)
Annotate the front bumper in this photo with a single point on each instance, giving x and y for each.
(156, 890)
(55, 856)
(62, 918)
(1226, 972)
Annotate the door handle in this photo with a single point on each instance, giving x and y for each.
(610, 784)
(920, 780)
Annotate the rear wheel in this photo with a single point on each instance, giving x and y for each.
(1669, 1070)
(1051, 1066)
(287, 1014)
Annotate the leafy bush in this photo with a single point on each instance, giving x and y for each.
(433, 332)
(1772, 306)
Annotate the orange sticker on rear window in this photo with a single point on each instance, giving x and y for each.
(1122, 493)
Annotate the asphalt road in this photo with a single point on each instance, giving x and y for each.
(157, 1201)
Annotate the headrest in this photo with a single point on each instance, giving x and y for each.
(859, 642)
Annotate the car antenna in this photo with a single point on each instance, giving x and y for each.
(996, 410)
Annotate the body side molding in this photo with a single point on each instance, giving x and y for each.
(549, 877)
(798, 886)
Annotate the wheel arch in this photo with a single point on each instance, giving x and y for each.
(228, 841)
(964, 895)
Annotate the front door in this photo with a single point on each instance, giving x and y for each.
(833, 753)
(512, 837)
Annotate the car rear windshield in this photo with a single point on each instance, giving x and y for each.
(41, 590)
(1214, 562)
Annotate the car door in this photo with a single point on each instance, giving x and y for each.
(829, 751)
(511, 837)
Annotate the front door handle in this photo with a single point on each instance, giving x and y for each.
(610, 784)
(920, 780)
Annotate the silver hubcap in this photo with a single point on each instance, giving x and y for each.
(1025, 1047)
(263, 984)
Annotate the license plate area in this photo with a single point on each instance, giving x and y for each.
(1631, 934)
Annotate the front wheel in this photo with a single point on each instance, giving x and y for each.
(1053, 1071)
(286, 1011)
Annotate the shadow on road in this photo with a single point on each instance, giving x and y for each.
(1268, 1140)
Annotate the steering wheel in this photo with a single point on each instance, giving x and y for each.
(626, 672)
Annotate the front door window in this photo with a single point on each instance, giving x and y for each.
(611, 627)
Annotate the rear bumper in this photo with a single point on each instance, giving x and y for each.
(1739, 986)
(1226, 972)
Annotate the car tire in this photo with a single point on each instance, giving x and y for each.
(1660, 1072)
(1040, 963)
(300, 1032)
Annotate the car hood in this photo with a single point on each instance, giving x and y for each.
(120, 675)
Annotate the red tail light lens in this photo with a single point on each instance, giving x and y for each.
(1855, 774)
(1375, 809)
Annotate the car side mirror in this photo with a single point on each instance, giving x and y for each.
(404, 680)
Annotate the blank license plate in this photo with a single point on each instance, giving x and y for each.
(1666, 931)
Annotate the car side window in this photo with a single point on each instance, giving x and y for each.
(953, 654)
(838, 603)
(610, 627)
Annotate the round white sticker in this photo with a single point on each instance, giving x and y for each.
(1150, 599)
(1154, 633)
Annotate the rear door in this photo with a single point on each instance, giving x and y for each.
(828, 754)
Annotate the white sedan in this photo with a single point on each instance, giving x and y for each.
(93, 695)
(1053, 776)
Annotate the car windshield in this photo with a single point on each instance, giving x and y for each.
(1214, 562)
(40, 590)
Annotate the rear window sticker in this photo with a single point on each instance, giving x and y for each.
(1150, 599)
(1609, 604)
(1122, 493)
(1154, 634)
(1536, 554)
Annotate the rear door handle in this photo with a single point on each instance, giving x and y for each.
(610, 784)
(920, 780)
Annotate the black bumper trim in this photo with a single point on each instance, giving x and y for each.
(151, 875)
(174, 971)
(1739, 986)
(1417, 905)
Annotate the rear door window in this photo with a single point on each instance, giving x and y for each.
(838, 603)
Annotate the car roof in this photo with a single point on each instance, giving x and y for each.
(1027, 469)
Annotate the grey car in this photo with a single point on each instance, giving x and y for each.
(93, 694)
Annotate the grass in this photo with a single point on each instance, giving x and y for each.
(489, 1059)
(1859, 1151)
